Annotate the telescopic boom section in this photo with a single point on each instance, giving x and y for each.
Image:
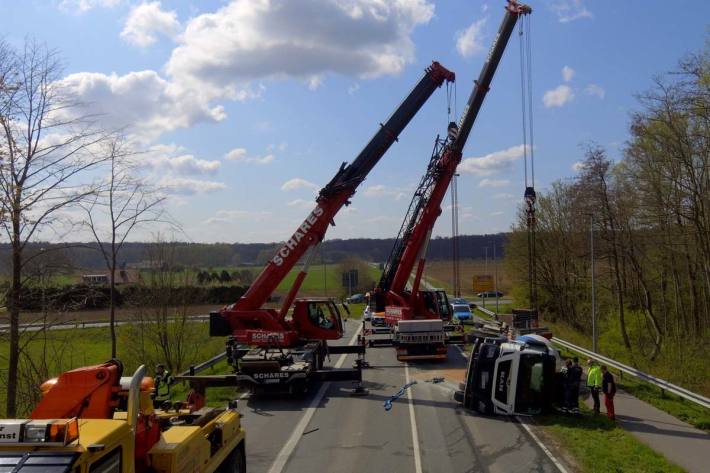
(426, 206)
(337, 193)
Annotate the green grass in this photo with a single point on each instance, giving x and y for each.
(322, 280)
(599, 445)
(68, 349)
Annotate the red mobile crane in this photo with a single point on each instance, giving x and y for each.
(290, 346)
(419, 320)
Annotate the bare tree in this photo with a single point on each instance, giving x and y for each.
(162, 331)
(46, 147)
(123, 204)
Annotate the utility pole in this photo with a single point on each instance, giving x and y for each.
(485, 271)
(495, 282)
(594, 305)
(455, 237)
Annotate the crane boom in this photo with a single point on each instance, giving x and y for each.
(339, 190)
(247, 319)
(426, 204)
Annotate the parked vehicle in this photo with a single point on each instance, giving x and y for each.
(377, 319)
(461, 311)
(486, 294)
(356, 299)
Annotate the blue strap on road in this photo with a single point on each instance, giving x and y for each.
(400, 393)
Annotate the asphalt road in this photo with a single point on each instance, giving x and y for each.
(329, 430)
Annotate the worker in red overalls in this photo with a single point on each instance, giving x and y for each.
(609, 389)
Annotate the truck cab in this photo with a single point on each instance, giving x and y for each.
(510, 376)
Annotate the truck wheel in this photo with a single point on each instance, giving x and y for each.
(236, 462)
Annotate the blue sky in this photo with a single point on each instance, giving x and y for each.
(246, 108)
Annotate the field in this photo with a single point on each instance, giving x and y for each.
(440, 273)
(53, 352)
(323, 280)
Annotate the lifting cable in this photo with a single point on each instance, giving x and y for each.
(530, 197)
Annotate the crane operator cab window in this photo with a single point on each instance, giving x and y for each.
(320, 315)
(443, 303)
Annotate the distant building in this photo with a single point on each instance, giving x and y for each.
(123, 276)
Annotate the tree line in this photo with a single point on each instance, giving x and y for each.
(648, 216)
(205, 255)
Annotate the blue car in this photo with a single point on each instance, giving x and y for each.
(461, 311)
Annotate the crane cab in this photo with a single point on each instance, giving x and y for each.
(436, 302)
(317, 319)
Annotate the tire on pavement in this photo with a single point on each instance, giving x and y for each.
(236, 462)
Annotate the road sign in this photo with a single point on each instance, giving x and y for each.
(483, 283)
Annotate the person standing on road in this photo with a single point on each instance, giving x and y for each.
(574, 373)
(594, 381)
(609, 388)
(566, 387)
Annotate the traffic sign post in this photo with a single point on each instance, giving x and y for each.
(483, 283)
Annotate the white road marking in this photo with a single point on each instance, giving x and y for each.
(413, 422)
(539, 443)
(292, 442)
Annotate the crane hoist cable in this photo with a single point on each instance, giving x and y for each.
(524, 34)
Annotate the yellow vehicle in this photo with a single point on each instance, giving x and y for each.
(90, 420)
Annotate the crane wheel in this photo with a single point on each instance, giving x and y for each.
(236, 462)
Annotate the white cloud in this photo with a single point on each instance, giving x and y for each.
(146, 21)
(595, 90)
(185, 186)
(469, 41)
(297, 183)
(353, 88)
(142, 101)
(172, 159)
(82, 6)
(250, 39)
(187, 164)
(301, 203)
(578, 166)
(492, 163)
(503, 195)
(237, 154)
(558, 96)
(315, 82)
(567, 73)
(496, 213)
(379, 190)
(570, 10)
(493, 183)
(222, 54)
(240, 155)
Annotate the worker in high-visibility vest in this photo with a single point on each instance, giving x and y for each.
(163, 380)
(594, 381)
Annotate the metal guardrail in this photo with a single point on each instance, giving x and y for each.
(658, 382)
(33, 327)
(486, 311)
(194, 369)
